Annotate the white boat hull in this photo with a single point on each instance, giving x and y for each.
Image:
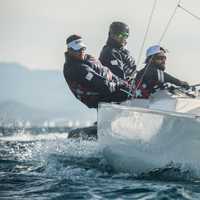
(139, 139)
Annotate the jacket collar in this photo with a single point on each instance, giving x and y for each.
(112, 43)
(155, 66)
(69, 58)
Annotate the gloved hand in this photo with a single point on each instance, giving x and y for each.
(185, 85)
(130, 79)
(125, 86)
(118, 85)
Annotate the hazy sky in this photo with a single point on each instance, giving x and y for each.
(33, 32)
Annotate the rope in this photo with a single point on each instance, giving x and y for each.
(189, 12)
(172, 16)
(141, 80)
(169, 22)
(142, 46)
(146, 32)
(162, 36)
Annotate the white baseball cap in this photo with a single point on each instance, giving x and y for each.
(154, 50)
(75, 42)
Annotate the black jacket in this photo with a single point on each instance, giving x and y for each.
(150, 77)
(117, 59)
(92, 83)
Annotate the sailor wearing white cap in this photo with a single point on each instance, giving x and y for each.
(153, 75)
(88, 79)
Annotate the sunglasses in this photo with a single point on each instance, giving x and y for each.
(79, 50)
(122, 35)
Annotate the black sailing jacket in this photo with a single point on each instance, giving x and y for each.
(91, 82)
(151, 77)
(117, 59)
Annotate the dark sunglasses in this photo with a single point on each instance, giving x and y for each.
(79, 50)
(122, 35)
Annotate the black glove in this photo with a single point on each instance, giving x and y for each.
(125, 86)
(185, 85)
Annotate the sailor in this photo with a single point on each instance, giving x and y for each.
(114, 55)
(88, 79)
(153, 75)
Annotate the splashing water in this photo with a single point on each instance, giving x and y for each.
(50, 166)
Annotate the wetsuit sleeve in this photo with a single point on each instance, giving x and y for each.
(170, 79)
(163, 77)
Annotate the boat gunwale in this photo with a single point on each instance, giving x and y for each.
(148, 110)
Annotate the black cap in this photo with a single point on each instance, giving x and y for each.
(118, 27)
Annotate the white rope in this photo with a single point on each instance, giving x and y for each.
(189, 12)
(142, 46)
(146, 32)
(169, 22)
(162, 36)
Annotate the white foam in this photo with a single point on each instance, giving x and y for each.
(30, 137)
(137, 140)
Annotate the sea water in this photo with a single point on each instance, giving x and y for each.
(50, 166)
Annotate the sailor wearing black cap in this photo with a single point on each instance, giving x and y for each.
(88, 79)
(114, 55)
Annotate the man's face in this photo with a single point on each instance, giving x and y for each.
(79, 54)
(121, 38)
(159, 60)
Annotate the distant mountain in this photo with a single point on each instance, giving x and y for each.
(11, 111)
(38, 91)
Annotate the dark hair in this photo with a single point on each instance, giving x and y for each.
(147, 59)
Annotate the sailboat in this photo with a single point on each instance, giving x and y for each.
(142, 135)
(145, 134)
